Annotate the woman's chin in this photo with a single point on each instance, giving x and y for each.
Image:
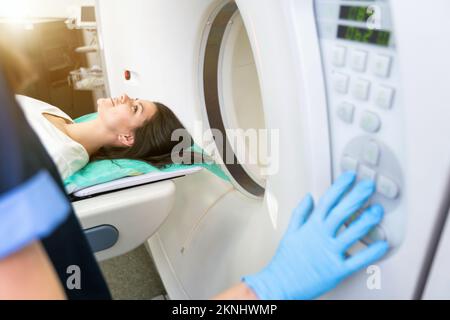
(103, 103)
(102, 107)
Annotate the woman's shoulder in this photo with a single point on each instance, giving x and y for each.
(27, 101)
(68, 155)
(30, 104)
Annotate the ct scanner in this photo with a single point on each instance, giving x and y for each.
(338, 95)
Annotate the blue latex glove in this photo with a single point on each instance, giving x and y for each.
(311, 258)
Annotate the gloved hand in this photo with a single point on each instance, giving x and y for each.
(311, 259)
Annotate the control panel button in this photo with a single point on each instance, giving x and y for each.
(384, 97)
(361, 89)
(345, 112)
(340, 82)
(349, 164)
(387, 187)
(338, 56)
(382, 66)
(370, 122)
(377, 234)
(371, 153)
(365, 173)
(358, 60)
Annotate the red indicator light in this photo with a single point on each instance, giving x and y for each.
(127, 75)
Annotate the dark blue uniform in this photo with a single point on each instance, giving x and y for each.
(24, 159)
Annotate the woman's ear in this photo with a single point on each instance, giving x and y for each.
(126, 139)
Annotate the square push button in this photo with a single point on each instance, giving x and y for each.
(382, 66)
(371, 153)
(345, 112)
(361, 89)
(338, 56)
(370, 122)
(384, 97)
(365, 173)
(377, 234)
(387, 187)
(358, 60)
(340, 82)
(349, 164)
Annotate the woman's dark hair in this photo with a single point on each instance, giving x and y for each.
(153, 141)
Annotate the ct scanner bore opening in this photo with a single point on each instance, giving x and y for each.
(233, 99)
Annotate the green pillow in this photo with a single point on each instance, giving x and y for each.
(103, 171)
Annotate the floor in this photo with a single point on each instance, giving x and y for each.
(133, 276)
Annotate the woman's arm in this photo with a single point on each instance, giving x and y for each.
(29, 274)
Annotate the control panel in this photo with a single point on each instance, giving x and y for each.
(359, 59)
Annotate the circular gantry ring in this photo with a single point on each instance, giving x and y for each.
(212, 56)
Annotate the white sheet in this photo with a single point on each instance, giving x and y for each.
(133, 181)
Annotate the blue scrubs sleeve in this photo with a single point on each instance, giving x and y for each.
(30, 211)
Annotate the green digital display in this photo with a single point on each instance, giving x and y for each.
(376, 37)
(355, 13)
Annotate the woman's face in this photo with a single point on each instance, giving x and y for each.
(123, 115)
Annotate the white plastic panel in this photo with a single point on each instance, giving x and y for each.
(423, 155)
(136, 213)
(365, 110)
(133, 181)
